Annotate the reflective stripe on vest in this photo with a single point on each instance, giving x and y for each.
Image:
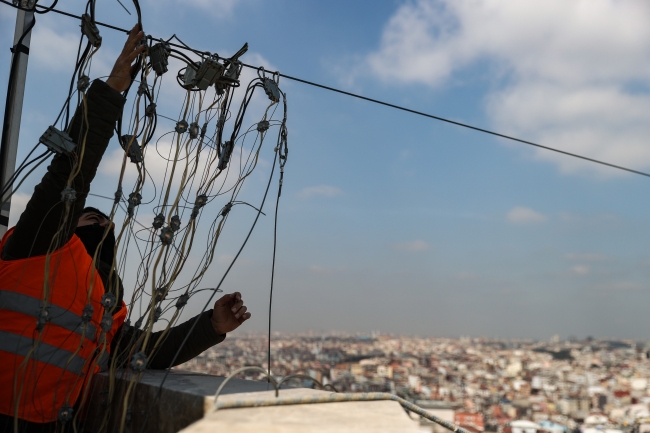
(45, 353)
(29, 306)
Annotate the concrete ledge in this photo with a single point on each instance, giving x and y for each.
(185, 398)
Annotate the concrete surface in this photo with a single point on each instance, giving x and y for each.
(185, 398)
(357, 417)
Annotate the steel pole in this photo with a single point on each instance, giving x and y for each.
(14, 108)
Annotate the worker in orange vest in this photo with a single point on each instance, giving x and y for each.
(60, 313)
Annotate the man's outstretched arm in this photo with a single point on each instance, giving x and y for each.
(43, 215)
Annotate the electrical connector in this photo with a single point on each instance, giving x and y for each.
(65, 414)
(204, 129)
(194, 130)
(189, 77)
(159, 55)
(175, 223)
(134, 200)
(166, 235)
(182, 300)
(134, 152)
(90, 30)
(210, 70)
(226, 209)
(198, 204)
(83, 83)
(139, 362)
(181, 127)
(226, 151)
(57, 141)
(107, 322)
(87, 313)
(158, 221)
(156, 314)
(42, 318)
(143, 88)
(150, 111)
(118, 195)
(68, 195)
(108, 300)
(271, 88)
(161, 292)
(263, 126)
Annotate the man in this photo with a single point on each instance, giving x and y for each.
(58, 315)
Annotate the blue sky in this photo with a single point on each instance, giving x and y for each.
(398, 223)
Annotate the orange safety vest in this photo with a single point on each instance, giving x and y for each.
(49, 350)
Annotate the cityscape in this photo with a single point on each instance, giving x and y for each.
(483, 385)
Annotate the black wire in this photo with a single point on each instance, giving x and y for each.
(275, 243)
(397, 107)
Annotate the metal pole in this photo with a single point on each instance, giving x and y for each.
(14, 106)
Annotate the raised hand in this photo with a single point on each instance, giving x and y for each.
(120, 77)
(229, 312)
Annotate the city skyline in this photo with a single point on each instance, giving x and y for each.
(393, 222)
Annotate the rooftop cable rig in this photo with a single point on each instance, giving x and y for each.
(210, 71)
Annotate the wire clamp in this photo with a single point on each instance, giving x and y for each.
(226, 151)
(68, 195)
(65, 414)
(166, 235)
(108, 300)
(83, 83)
(204, 130)
(158, 221)
(87, 314)
(134, 152)
(156, 314)
(118, 195)
(194, 130)
(139, 362)
(226, 209)
(181, 126)
(263, 126)
(143, 88)
(150, 111)
(90, 30)
(107, 322)
(57, 141)
(175, 223)
(138, 323)
(201, 201)
(134, 200)
(161, 292)
(271, 89)
(159, 55)
(182, 300)
(42, 318)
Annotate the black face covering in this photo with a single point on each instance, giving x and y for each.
(91, 236)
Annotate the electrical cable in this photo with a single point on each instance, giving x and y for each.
(408, 110)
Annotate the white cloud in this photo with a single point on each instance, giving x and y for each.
(217, 8)
(524, 215)
(580, 270)
(412, 246)
(569, 67)
(321, 190)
